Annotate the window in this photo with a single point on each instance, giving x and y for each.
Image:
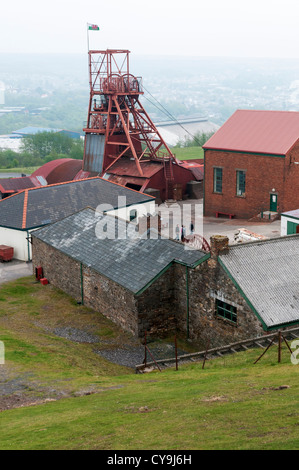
(133, 215)
(241, 176)
(217, 180)
(225, 310)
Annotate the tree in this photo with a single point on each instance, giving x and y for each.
(198, 140)
(46, 143)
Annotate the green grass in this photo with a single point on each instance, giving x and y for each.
(231, 404)
(25, 170)
(226, 406)
(188, 153)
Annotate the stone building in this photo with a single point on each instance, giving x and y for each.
(33, 208)
(154, 284)
(251, 164)
(102, 262)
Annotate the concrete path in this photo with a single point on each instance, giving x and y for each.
(174, 213)
(13, 270)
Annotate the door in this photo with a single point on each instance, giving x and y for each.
(273, 202)
(292, 227)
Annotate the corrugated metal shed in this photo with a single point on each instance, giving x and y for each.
(269, 132)
(131, 262)
(94, 152)
(267, 273)
(30, 130)
(196, 167)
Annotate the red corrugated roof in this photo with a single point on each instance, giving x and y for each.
(49, 167)
(13, 185)
(270, 132)
(197, 169)
(126, 167)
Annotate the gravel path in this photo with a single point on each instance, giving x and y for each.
(76, 335)
(131, 356)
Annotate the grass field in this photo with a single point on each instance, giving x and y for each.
(25, 170)
(85, 402)
(188, 153)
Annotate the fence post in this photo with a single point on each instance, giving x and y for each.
(176, 353)
(145, 349)
(279, 346)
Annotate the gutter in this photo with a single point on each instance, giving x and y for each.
(28, 246)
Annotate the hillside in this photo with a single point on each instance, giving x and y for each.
(59, 392)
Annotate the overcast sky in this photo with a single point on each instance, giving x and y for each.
(221, 28)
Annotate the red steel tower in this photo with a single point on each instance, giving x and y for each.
(118, 127)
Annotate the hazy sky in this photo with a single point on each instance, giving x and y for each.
(224, 28)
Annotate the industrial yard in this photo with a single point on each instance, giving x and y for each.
(149, 228)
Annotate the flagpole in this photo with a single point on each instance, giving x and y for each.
(87, 37)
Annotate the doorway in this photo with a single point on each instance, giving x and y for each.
(273, 202)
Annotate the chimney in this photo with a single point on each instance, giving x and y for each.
(219, 244)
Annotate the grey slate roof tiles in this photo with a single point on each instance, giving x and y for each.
(130, 262)
(51, 203)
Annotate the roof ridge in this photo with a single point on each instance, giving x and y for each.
(25, 209)
(63, 182)
(262, 242)
(82, 179)
(131, 189)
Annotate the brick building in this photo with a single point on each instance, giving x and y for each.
(251, 164)
(156, 285)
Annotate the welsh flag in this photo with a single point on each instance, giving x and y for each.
(92, 27)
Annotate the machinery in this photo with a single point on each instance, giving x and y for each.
(121, 141)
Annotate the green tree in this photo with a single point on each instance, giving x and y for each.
(198, 140)
(46, 143)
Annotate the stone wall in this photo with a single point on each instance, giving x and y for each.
(207, 282)
(157, 306)
(99, 293)
(60, 270)
(153, 311)
(162, 307)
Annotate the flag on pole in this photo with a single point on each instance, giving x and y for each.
(92, 27)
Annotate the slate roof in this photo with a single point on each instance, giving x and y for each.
(40, 206)
(268, 275)
(269, 132)
(294, 214)
(131, 262)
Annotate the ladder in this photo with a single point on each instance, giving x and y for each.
(169, 178)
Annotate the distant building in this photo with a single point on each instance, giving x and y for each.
(29, 131)
(252, 164)
(182, 130)
(10, 186)
(55, 171)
